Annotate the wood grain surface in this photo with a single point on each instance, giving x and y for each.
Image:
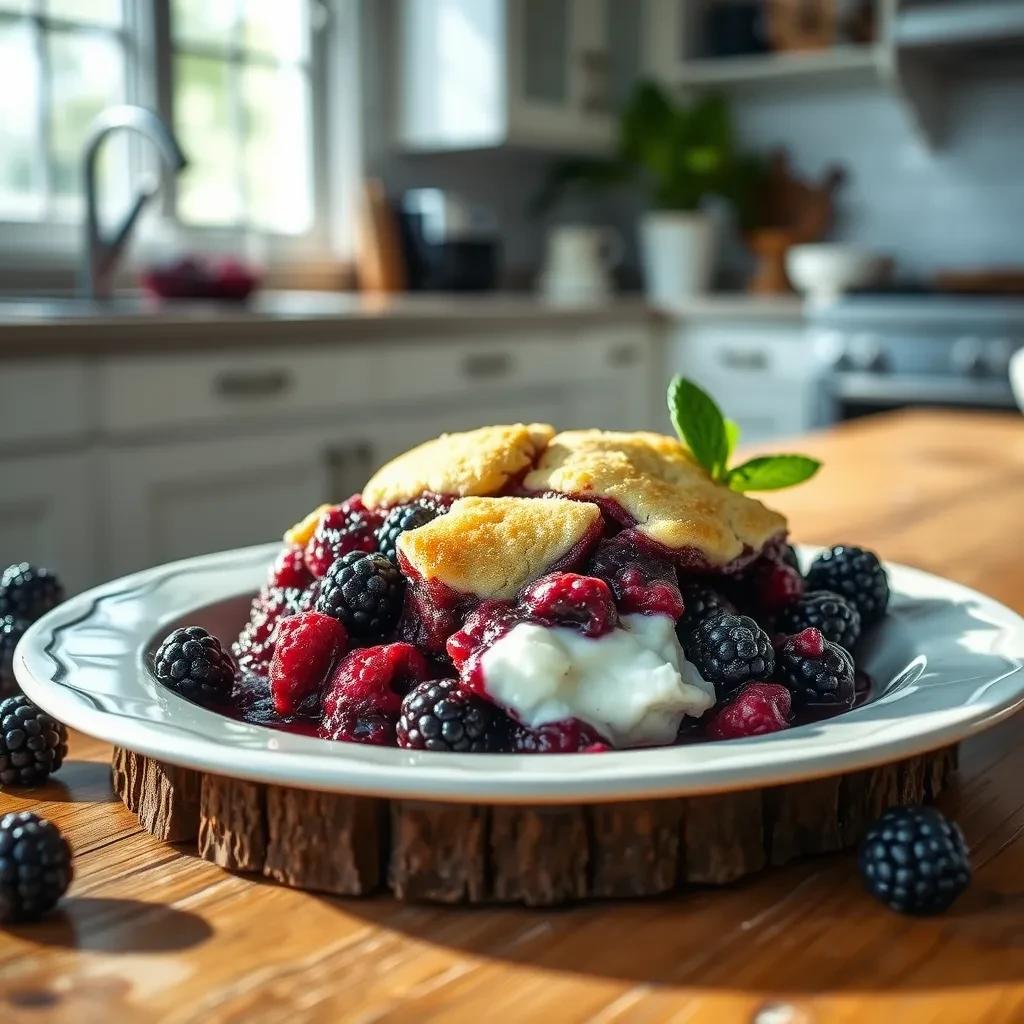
(150, 934)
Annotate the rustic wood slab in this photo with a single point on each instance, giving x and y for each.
(152, 933)
(538, 856)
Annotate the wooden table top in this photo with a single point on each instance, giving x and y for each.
(150, 934)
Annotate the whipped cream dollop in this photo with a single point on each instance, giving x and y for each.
(633, 684)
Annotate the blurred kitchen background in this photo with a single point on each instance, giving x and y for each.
(249, 249)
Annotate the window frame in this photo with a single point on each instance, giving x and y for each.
(53, 244)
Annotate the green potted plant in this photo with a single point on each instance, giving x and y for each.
(679, 154)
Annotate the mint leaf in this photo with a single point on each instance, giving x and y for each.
(772, 472)
(700, 425)
(732, 438)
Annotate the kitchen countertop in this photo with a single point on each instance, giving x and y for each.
(48, 326)
(149, 933)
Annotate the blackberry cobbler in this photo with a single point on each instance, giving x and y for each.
(516, 589)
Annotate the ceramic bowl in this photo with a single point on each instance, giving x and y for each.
(825, 271)
(946, 663)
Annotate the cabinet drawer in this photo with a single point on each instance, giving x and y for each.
(43, 401)
(145, 392)
(744, 351)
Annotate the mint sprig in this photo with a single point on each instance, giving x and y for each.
(712, 438)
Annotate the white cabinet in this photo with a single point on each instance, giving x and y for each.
(549, 74)
(170, 501)
(48, 516)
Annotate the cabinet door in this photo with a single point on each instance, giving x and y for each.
(173, 501)
(48, 516)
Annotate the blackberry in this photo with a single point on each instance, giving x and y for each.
(728, 650)
(701, 602)
(32, 744)
(815, 670)
(788, 556)
(836, 618)
(400, 519)
(192, 662)
(365, 592)
(35, 866)
(28, 592)
(11, 631)
(855, 574)
(915, 860)
(438, 715)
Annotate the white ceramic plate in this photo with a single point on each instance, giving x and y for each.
(946, 663)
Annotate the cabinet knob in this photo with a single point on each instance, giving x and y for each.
(252, 383)
(743, 359)
(486, 365)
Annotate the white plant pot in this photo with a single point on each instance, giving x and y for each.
(678, 252)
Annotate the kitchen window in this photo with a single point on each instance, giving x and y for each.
(242, 82)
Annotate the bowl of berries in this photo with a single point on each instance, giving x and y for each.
(529, 665)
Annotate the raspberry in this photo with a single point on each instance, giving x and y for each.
(855, 574)
(640, 581)
(439, 715)
(776, 586)
(833, 615)
(307, 646)
(491, 620)
(28, 592)
(815, 670)
(341, 529)
(398, 521)
(32, 744)
(363, 697)
(565, 598)
(289, 570)
(701, 602)
(193, 663)
(569, 737)
(11, 631)
(35, 866)
(757, 708)
(915, 860)
(364, 591)
(255, 645)
(728, 650)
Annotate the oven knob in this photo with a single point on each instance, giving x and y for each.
(967, 356)
(997, 356)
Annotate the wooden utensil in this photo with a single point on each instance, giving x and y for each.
(379, 263)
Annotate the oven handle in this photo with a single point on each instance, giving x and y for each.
(920, 390)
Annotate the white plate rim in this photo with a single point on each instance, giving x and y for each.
(103, 636)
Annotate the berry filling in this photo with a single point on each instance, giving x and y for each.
(642, 580)
(570, 736)
(341, 529)
(567, 599)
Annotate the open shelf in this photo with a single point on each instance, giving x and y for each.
(766, 68)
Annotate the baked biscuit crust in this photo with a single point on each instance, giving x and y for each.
(659, 484)
(476, 462)
(493, 547)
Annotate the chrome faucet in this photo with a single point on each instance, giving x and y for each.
(100, 256)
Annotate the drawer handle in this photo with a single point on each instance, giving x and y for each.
(623, 355)
(486, 365)
(255, 384)
(738, 359)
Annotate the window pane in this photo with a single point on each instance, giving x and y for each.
(96, 12)
(277, 149)
(209, 186)
(19, 6)
(272, 28)
(86, 75)
(210, 22)
(20, 189)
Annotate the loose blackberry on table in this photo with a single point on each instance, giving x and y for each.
(915, 860)
(35, 866)
(832, 614)
(12, 629)
(364, 591)
(728, 650)
(815, 670)
(193, 663)
(440, 715)
(28, 591)
(33, 744)
(398, 521)
(855, 574)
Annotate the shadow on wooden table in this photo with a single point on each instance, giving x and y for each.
(116, 926)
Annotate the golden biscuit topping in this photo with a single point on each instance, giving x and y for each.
(493, 547)
(658, 483)
(477, 462)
